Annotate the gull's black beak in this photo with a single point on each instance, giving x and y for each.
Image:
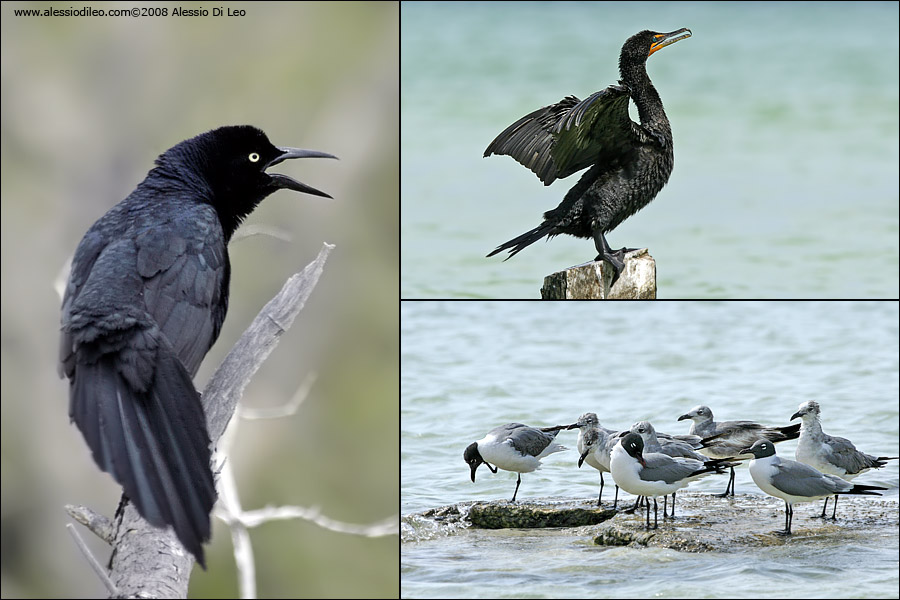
(283, 181)
(582, 457)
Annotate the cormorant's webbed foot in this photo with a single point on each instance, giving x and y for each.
(616, 259)
(616, 262)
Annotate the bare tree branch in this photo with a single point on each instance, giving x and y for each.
(227, 384)
(253, 229)
(229, 509)
(97, 523)
(287, 409)
(92, 560)
(148, 562)
(254, 518)
(230, 503)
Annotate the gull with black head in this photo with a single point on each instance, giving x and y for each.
(513, 447)
(653, 474)
(795, 482)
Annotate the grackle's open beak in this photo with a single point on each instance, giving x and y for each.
(283, 181)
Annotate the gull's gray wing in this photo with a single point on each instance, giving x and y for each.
(665, 468)
(845, 455)
(797, 479)
(529, 441)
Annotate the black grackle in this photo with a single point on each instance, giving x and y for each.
(145, 301)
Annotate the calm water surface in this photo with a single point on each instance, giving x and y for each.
(467, 367)
(785, 120)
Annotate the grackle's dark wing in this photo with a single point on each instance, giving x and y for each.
(145, 300)
(185, 273)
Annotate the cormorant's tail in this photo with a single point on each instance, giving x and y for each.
(517, 244)
(152, 441)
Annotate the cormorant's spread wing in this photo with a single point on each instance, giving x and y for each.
(571, 135)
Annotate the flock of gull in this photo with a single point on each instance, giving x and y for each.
(650, 464)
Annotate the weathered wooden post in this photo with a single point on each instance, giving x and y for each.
(591, 281)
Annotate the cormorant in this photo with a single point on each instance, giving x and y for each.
(629, 162)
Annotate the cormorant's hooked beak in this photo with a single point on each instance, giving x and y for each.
(283, 181)
(661, 40)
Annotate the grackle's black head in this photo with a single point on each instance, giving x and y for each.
(226, 167)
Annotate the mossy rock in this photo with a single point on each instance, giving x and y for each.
(500, 516)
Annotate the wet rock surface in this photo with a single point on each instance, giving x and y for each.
(499, 516)
(703, 522)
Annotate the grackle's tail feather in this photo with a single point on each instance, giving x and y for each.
(153, 442)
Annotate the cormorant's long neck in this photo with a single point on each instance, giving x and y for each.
(645, 96)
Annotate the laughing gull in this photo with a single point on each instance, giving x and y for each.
(795, 482)
(727, 438)
(594, 445)
(694, 441)
(513, 447)
(668, 445)
(665, 444)
(832, 455)
(652, 474)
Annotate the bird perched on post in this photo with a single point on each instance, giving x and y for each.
(145, 301)
(628, 163)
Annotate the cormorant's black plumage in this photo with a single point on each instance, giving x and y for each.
(629, 162)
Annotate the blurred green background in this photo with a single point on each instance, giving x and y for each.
(87, 105)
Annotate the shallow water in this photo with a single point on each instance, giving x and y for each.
(785, 120)
(467, 367)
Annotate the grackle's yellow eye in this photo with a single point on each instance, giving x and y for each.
(254, 157)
